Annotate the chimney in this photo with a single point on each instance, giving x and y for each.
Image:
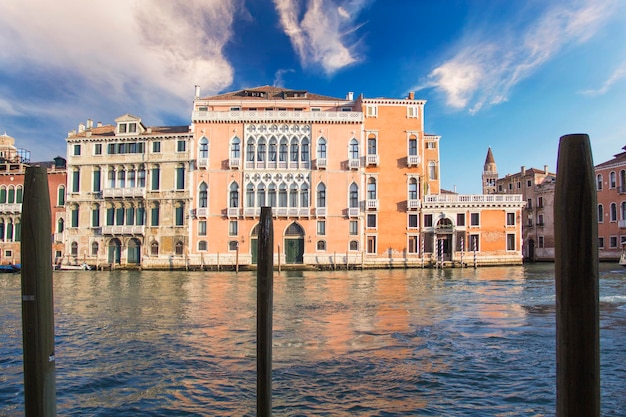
(412, 95)
(545, 169)
(350, 96)
(89, 123)
(99, 124)
(197, 92)
(81, 128)
(523, 170)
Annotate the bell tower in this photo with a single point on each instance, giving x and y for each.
(490, 174)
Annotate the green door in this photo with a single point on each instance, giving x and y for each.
(254, 250)
(294, 249)
(134, 249)
(114, 251)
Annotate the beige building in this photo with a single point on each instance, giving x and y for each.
(537, 189)
(128, 194)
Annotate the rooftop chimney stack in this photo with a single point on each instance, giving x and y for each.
(350, 96)
(99, 124)
(545, 169)
(412, 95)
(197, 92)
(89, 124)
(81, 128)
(523, 170)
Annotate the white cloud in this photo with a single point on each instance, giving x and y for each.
(483, 69)
(321, 35)
(617, 75)
(138, 50)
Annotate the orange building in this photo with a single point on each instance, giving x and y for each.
(611, 188)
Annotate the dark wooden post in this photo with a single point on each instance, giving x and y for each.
(265, 288)
(576, 263)
(37, 303)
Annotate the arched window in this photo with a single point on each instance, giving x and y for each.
(141, 182)
(95, 216)
(321, 245)
(371, 144)
(282, 150)
(203, 148)
(19, 196)
(304, 195)
(353, 149)
(613, 212)
(154, 248)
(2, 230)
(599, 181)
(111, 177)
(250, 195)
(3, 194)
(623, 210)
(354, 195)
(412, 189)
(141, 215)
(250, 150)
(202, 246)
(131, 178)
(272, 150)
(179, 213)
(74, 214)
(235, 148)
(432, 170)
(179, 248)
(304, 150)
(202, 195)
(371, 188)
(130, 216)
(121, 178)
(233, 200)
(293, 195)
(74, 249)
(293, 153)
(282, 195)
(260, 151)
(260, 195)
(271, 195)
(412, 146)
(321, 195)
(600, 213)
(61, 195)
(94, 249)
(321, 148)
(612, 180)
(11, 195)
(60, 226)
(354, 245)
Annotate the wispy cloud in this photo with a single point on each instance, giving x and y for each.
(617, 75)
(323, 33)
(138, 49)
(483, 69)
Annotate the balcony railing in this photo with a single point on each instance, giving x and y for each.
(473, 198)
(242, 116)
(234, 163)
(123, 230)
(372, 160)
(413, 160)
(233, 212)
(11, 208)
(354, 163)
(320, 163)
(414, 204)
(372, 204)
(202, 212)
(202, 163)
(622, 224)
(124, 192)
(320, 211)
(353, 212)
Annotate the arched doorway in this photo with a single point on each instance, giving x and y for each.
(134, 251)
(444, 232)
(114, 251)
(294, 244)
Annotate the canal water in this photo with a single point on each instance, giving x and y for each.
(457, 342)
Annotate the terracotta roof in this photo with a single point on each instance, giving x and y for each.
(619, 157)
(109, 131)
(268, 92)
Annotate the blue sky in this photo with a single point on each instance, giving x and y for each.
(511, 74)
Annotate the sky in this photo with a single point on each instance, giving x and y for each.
(513, 75)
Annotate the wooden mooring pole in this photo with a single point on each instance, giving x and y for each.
(37, 303)
(264, 292)
(576, 274)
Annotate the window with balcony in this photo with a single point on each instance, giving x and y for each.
(235, 148)
(271, 195)
(371, 188)
(321, 148)
(372, 151)
(321, 195)
(353, 153)
(354, 196)
(413, 191)
(203, 149)
(233, 199)
(272, 151)
(203, 195)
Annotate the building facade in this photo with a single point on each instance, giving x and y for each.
(13, 164)
(611, 196)
(351, 181)
(537, 189)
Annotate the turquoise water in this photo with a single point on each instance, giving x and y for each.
(457, 342)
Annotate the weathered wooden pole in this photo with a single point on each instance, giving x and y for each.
(37, 303)
(264, 293)
(576, 264)
(237, 258)
(279, 259)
